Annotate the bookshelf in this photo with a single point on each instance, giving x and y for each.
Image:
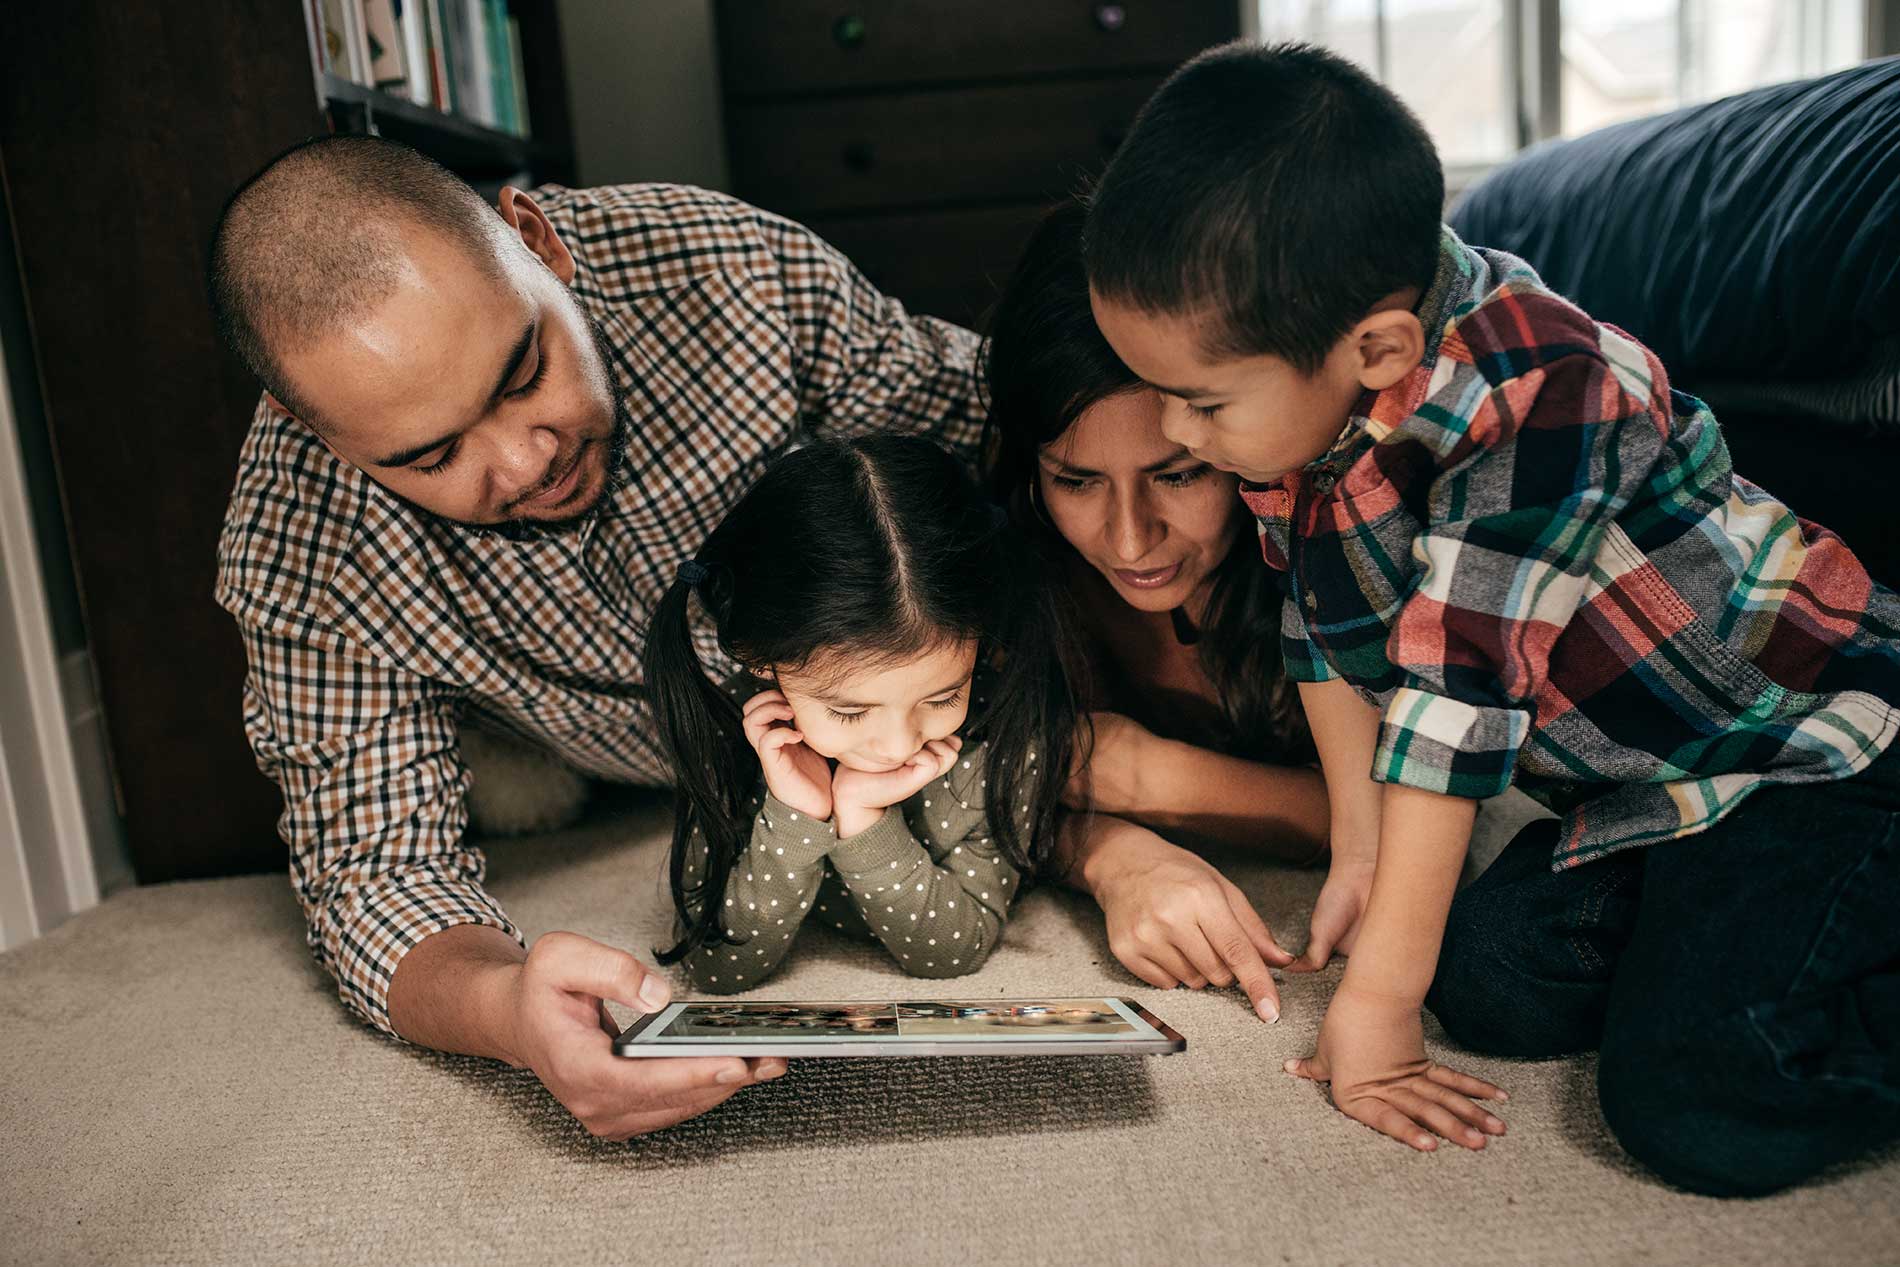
(527, 140)
(114, 175)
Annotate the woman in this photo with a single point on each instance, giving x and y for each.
(1198, 735)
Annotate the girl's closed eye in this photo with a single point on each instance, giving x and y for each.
(950, 701)
(846, 718)
(1205, 411)
(1070, 483)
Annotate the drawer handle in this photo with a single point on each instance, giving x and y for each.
(859, 156)
(848, 31)
(1110, 17)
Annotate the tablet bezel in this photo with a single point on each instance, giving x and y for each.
(1169, 1042)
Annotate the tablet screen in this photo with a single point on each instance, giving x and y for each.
(937, 1020)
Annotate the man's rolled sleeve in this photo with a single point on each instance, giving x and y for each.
(374, 807)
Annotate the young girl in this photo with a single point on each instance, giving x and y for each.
(880, 771)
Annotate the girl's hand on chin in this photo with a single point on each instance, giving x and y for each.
(856, 793)
(794, 773)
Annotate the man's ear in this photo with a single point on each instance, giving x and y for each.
(1390, 344)
(536, 232)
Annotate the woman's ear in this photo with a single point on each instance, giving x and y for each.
(1390, 344)
(537, 233)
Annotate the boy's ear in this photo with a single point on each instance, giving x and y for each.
(537, 232)
(1390, 344)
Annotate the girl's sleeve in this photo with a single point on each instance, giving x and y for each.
(938, 907)
(768, 895)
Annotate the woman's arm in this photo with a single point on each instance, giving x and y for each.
(1198, 795)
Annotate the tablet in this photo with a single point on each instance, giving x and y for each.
(923, 1027)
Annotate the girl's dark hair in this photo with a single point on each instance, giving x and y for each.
(1048, 364)
(879, 548)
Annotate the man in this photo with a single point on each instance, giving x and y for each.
(486, 443)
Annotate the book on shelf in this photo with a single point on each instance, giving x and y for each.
(388, 69)
(459, 56)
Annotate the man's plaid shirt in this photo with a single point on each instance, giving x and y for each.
(372, 627)
(1537, 560)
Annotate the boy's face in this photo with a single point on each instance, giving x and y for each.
(1256, 416)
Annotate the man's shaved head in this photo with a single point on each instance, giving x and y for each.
(318, 236)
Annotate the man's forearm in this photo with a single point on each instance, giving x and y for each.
(452, 992)
(1196, 792)
(1423, 839)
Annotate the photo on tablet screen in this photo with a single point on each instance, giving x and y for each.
(935, 1019)
(1094, 1017)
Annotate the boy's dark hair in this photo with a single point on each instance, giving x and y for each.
(1047, 365)
(313, 238)
(877, 549)
(1276, 192)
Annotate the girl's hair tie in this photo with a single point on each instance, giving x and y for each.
(693, 572)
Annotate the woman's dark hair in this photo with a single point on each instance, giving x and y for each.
(1048, 364)
(880, 548)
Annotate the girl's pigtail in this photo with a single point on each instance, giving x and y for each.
(700, 727)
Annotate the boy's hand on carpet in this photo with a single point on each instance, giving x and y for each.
(1336, 915)
(794, 772)
(1175, 920)
(1372, 1051)
(561, 1030)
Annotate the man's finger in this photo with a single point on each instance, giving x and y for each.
(1256, 928)
(585, 966)
(661, 1077)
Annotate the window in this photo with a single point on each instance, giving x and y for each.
(1475, 70)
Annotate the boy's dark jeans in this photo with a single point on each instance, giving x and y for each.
(1742, 984)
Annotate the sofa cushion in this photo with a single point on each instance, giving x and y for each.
(1753, 238)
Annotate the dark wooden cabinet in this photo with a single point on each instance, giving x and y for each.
(123, 128)
(925, 139)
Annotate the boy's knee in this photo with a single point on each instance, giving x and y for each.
(1671, 1111)
(1488, 1002)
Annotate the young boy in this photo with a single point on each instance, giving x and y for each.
(1513, 554)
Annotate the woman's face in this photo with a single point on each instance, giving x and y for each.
(1144, 512)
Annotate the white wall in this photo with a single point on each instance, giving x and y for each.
(643, 82)
(46, 863)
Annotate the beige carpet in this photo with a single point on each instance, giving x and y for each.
(181, 1086)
